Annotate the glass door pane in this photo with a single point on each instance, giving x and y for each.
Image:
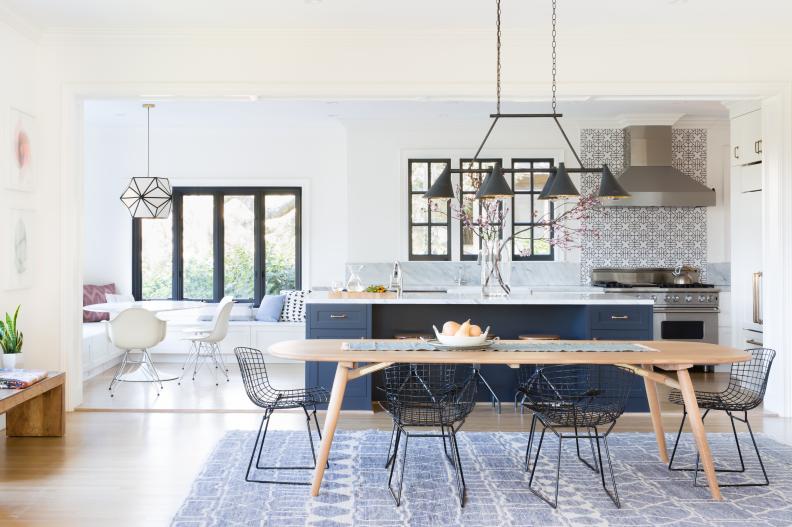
(197, 247)
(280, 242)
(239, 246)
(156, 258)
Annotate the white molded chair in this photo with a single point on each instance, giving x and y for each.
(135, 330)
(205, 342)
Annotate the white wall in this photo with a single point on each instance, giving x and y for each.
(40, 303)
(210, 144)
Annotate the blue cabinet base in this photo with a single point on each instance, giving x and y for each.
(355, 321)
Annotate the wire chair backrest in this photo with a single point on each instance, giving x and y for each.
(426, 394)
(748, 380)
(254, 375)
(583, 395)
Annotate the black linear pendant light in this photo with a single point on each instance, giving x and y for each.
(609, 187)
(442, 188)
(148, 197)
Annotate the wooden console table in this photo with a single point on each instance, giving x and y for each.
(36, 411)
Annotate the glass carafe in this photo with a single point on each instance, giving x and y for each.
(353, 283)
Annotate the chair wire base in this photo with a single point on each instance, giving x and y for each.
(258, 447)
(494, 400)
(448, 435)
(128, 364)
(200, 354)
(601, 440)
(698, 469)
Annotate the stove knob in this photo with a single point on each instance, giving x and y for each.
(702, 298)
(688, 298)
(668, 298)
(676, 298)
(654, 297)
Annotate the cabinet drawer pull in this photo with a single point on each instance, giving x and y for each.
(332, 315)
(620, 317)
(753, 342)
(759, 146)
(736, 152)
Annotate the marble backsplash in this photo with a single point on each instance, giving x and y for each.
(441, 274)
(427, 274)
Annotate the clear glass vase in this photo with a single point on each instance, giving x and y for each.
(495, 260)
(354, 283)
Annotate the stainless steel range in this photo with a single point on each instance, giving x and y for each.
(684, 309)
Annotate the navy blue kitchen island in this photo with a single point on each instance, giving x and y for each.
(571, 316)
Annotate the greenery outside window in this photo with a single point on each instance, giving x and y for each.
(242, 242)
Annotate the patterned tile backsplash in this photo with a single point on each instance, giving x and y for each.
(644, 236)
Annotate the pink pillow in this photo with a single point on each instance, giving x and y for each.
(95, 294)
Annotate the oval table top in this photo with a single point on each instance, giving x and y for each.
(155, 306)
(662, 353)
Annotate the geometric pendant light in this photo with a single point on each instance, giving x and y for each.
(442, 188)
(560, 186)
(494, 185)
(148, 197)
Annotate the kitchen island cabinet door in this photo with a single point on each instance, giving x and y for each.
(328, 321)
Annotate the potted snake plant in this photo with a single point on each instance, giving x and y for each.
(10, 339)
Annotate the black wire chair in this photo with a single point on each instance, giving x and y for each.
(263, 395)
(426, 396)
(745, 391)
(582, 398)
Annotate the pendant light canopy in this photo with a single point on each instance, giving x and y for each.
(442, 188)
(148, 197)
(609, 187)
(559, 185)
(494, 185)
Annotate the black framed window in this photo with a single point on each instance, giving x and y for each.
(470, 244)
(533, 241)
(238, 241)
(429, 228)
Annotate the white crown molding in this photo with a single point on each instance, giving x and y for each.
(648, 119)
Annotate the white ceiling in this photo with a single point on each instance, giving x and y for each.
(658, 18)
(245, 112)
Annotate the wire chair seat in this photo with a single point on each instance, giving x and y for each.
(261, 392)
(449, 406)
(577, 396)
(746, 388)
(732, 399)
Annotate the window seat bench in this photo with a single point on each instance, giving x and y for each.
(99, 354)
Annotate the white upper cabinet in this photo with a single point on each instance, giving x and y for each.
(746, 138)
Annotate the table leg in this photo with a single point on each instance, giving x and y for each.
(41, 416)
(697, 425)
(331, 420)
(657, 419)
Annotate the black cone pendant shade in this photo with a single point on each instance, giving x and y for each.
(442, 187)
(609, 187)
(494, 185)
(559, 185)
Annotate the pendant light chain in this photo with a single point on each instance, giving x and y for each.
(148, 141)
(554, 56)
(498, 62)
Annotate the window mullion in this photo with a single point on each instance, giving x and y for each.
(218, 252)
(177, 282)
(258, 246)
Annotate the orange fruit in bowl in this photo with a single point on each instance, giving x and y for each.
(475, 331)
(450, 328)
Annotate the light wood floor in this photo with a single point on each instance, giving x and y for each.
(133, 463)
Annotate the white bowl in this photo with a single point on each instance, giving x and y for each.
(452, 340)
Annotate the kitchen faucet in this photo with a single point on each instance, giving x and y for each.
(396, 279)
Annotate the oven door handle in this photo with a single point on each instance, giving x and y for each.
(688, 311)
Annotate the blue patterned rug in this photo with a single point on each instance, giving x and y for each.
(355, 489)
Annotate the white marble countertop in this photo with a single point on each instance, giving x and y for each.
(549, 298)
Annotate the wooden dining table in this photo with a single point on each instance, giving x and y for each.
(653, 364)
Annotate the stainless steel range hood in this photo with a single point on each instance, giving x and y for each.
(650, 179)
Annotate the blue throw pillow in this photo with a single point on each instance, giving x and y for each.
(270, 308)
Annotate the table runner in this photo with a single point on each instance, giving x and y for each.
(543, 346)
